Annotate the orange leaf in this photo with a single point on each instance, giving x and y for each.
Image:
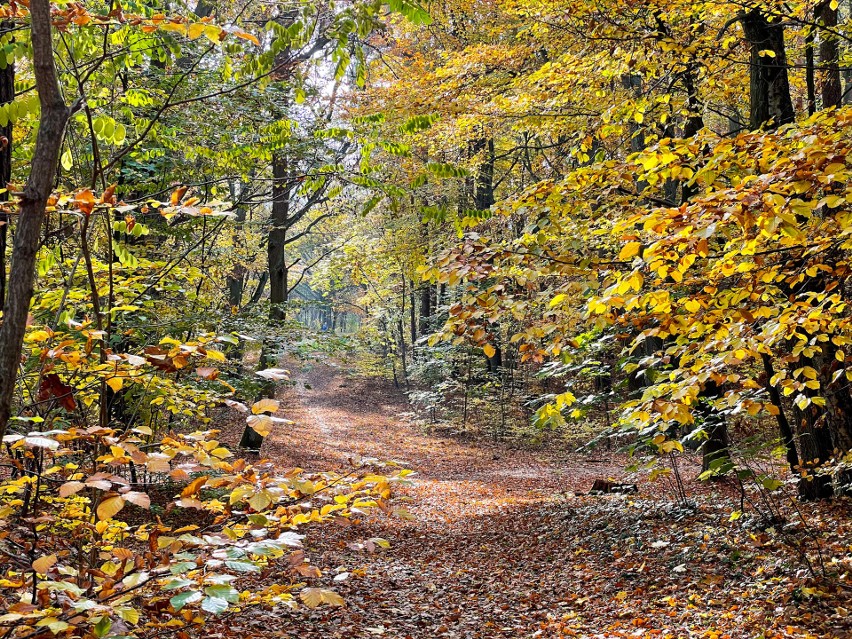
(193, 487)
(85, 201)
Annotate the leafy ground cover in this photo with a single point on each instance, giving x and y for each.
(497, 544)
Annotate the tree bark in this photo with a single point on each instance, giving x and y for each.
(715, 448)
(7, 94)
(278, 237)
(829, 57)
(54, 118)
(426, 293)
(784, 429)
(769, 85)
(483, 193)
(810, 81)
(412, 319)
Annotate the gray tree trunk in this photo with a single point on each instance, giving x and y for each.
(54, 118)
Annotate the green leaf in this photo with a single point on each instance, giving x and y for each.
(214, 605)
(174, 584)
(182, 567)
(120, 134)
(124, 256)
(770, 483)
(242, 566)
(179, 601)
(228, 593)
(102, 627)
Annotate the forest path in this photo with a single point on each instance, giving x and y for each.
(455, 569)
(499, 547)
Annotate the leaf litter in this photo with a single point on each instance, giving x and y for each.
(495, 542)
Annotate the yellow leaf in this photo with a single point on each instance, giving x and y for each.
(173, 26)
(489, 350)
(265, 406)
(261, 424)
(195, 30)
(650, 162)
(557, 300)
(630, 250)
(260, 500)
(115, 383)
(215, 355)
(109, 507)
(671, 445)
(693, 306)
(313, 597)
(213, 33)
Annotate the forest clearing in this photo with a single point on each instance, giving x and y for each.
(425, 318)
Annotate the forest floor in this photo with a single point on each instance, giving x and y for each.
(500, 545)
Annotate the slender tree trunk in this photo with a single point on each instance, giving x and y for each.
(426, 294)
(847, 69)
(235, 280)
(715, 448)
(54, 118)
(784, 429)
(403, 349)
(412, 324)
(278, 237)
(7, 94)
(810, 79)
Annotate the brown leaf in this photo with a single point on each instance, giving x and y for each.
(43, 564)
(139, 499)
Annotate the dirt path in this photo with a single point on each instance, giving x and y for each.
(450, 571)
(338, 419)
(493, 550)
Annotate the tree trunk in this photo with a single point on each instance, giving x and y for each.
(483, 193)
(278, 237)
(235, 280)
(403, 350)
(426, 293)
(412, 324)
(823, 430)
(715, 448)
(54, 118)
(829, 56)
(784, 429)
(7, 94)
(810, 81)
(769, 86)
